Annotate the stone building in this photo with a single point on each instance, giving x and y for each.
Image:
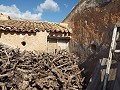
(92, 22)
(34, 35)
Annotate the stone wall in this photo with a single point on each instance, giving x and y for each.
(92, 23)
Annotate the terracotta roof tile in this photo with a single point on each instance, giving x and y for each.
(31, 26)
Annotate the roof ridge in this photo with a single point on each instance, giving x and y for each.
(32, 26)
(35, 21)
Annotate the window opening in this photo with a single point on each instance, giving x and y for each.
(23, 43)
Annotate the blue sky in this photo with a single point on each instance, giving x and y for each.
(43, 10)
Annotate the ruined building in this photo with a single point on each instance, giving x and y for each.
(92, 22)
(33, 35)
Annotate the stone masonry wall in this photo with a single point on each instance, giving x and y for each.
(92, 24)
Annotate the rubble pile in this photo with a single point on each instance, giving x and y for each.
(25, 70)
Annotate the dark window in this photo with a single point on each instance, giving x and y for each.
(93, 47)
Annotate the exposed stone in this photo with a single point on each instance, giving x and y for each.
(93, 22)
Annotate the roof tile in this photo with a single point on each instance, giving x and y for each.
(31, 26)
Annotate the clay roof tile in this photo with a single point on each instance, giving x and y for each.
(31, 26)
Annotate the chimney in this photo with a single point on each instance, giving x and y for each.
(4, 17)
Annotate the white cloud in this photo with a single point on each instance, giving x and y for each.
(48, 5)
(14, 12)
(66, 5)
(29, 15)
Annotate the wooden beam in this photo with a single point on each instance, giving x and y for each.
(112, 49)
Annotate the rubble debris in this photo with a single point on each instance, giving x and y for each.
(25, 70)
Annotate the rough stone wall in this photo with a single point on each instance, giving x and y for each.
(92, 24)
(34, 41)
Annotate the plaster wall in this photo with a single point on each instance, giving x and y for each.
(34, 41)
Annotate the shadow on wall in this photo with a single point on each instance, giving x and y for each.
(90, 64)
(17, 33)
(96, 82)
(103, 2)
(89, 57)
